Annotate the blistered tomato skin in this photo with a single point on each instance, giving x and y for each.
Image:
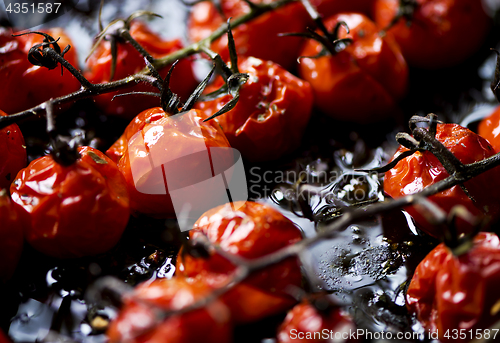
(252, 231)
(489, 128)
(12, 153)
(72, 211)
(450, 292)
(25, 85)
(422, 169)
(130, 61)
(442, 33)
(137, 321)
(271, 114)
(362, 83)
(153, 140)
(11, 237)
(304, 322)
(259, 37)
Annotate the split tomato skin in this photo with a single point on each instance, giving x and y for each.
(450, 292)
(442, 33)
(72, 211)
(361, 83)
(259, 37)
(129, 62)
(251, 231)
(25, 85)
(138, 320)
(304, 322)
(11, 237)
(422, 169)
(12, 153)
(271, 114)
(154, 135)
(489, 128)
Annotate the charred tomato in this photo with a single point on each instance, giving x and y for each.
(271, 114)
(361, 83)
(12, 153)
(72, 211)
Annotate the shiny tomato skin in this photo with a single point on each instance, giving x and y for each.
(271, 114)
(178, 139)
(259, 37)
(362, 83)
(442, 33)
(25, 85)
(304, 323)
(130, 61)
(489, 128)
(72, 211)
(252, 231)
(423, 169)
(11, 236)
(450, 292)
(12, 153)
(136, 321)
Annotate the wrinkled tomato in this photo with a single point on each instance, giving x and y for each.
(271, 114)
(25, 85)
(259, 37)
(72, 211)
(422, 169)
(130, 61)
(252, 231)
(489, 128)
(140, 321)
(12, 153)
(442, 33)
(361, 83)
(459, 293)
(11, 237)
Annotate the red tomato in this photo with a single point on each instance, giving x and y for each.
(11, 237)
(25, 85)
(305, 323)
(422, 169)
(252, 231)
(154, 141)
(271, 114)
(130, 61)
(442, 33)
(361, 83)
(450, 292)
(138, 320)
(12, 153)
(328, 8)
(259, 37)
(3, 338)
(72, 211)
(489, 128)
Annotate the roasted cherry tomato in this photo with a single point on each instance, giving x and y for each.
(259, 37)
(441, 33)
(11, 236)
(12, 153)
(361, 83)
(139, 319)
(252, 231)
(418, 171)
(489, 128)
(459, 293)
(72, 211)
(271, 114)
(25, 85)
(306, 323)
(157, 149)
(130, 61)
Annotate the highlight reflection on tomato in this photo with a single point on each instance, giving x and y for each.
(450, 292)
(422, 169)
(12, 153)
(72, 211)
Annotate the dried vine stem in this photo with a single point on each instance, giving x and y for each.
(88, 89)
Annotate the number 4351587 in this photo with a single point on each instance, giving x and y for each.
(32, 8)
